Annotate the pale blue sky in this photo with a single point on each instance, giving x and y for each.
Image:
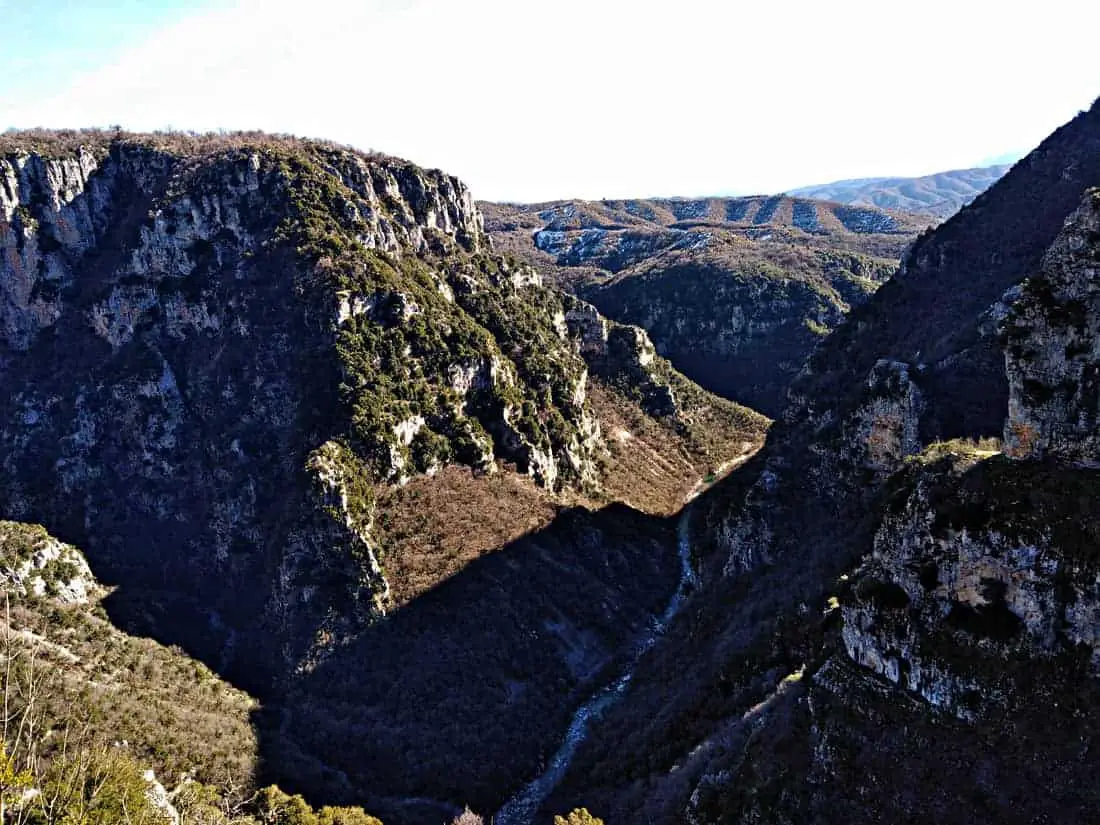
(530, 100)
(48, 43)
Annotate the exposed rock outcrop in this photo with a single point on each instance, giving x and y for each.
(1052, 353)
(886, 426)
(954, 566)
(53, 212)
(621, 353)
(34, 563)
(217, 349)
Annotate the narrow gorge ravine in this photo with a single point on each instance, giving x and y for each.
(521, 808)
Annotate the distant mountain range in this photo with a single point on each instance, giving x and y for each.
(942, 194)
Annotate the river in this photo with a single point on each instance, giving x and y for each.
(521, 808)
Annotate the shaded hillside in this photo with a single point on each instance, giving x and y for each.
(735, 292)
(65, 664)
(101, 726)
(940, 195)
(933, 314)
(969, 634)
(871, 596)
(739, 316)
(493, 662)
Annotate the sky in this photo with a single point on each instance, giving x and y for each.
(530, 101)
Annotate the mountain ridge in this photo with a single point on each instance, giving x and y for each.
(940, 194)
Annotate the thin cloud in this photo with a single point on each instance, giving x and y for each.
(530, 101)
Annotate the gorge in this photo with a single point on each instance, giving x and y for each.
(313, 475)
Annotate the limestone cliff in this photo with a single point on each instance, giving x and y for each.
(976, 552)
(34, 563)
(167, 314)
(969, 631)
(1052, 357)
(215, 348)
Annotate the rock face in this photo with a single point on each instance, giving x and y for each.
(970, 631)
(55, 211)
(260, 331)
(886, 427)
(741, 319)
(957, 564)
(1052, 357)
(34, 563)
(621, 353)
(846, 458)
(934, 312)
(165, 279)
